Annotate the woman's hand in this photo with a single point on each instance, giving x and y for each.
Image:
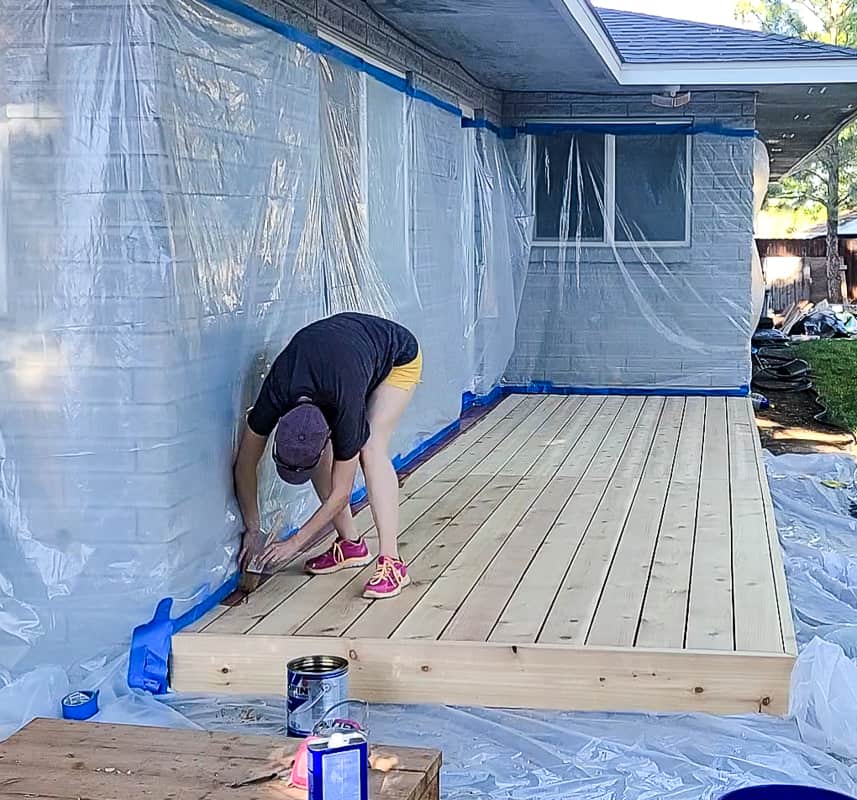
(252, 544)
(279, 554)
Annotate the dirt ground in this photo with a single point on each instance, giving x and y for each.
(789, 426)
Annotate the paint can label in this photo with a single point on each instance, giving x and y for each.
(310, 697)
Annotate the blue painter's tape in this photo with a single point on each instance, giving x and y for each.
(419, 94)
(320, 46)
(470, 400)
(400, 461)
(503, 133)
(642, 128)
(202, 608)
(148, 661)
(80, 705)
(151, 643)
(546, 387)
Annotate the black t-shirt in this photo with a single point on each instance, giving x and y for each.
(337, 362)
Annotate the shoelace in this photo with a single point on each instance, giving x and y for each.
(336, 552)
(386, 570)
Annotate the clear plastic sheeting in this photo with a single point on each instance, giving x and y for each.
(524, 754)
(497, 754)
(501, 755)
(504, 233)
(181, 192)
(761, 181)
(641, 271)
(815, 501)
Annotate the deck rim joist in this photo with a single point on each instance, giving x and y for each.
(563, 677)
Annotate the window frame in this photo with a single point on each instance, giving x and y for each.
(609, 239)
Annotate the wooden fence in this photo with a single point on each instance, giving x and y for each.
(795, 269)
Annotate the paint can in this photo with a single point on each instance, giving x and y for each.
(314, 685)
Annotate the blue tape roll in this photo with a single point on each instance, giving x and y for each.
(80, 705)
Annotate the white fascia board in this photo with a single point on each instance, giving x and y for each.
(586, 17)
(740, 73)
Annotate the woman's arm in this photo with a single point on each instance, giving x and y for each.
(317, 525)
(250, 452)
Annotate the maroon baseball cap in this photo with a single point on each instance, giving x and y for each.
(302, 434)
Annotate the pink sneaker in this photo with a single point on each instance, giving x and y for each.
(389, 579)
(342, 554)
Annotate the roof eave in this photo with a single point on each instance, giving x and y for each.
(813, 154)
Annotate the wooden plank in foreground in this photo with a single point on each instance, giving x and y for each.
(71, 760)
(498, 675)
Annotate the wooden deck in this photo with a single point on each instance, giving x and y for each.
(592, 553)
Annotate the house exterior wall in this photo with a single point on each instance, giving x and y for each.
(356, 22)
(129, 341)
(675, 317)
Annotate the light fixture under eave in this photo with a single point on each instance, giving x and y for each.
(671, 99)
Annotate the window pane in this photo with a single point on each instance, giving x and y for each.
(651, 188)
(570, 186)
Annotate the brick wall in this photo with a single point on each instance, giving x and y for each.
(355, 21)
(678, 316)
(163, 249)
(151, 188)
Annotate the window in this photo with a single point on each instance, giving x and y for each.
(606, 189)
(570, 187)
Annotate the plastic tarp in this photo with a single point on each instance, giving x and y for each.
(642, 271)
(182, 190)
(501, 754)
(815, 499)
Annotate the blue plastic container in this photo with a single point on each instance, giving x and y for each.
(785, 793)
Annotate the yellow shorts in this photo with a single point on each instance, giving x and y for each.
(407, 375)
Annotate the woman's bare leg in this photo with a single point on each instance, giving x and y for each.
(386, 406)
(322, 483)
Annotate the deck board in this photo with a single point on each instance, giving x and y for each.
(757, 616)
(589, 552)
(710, 618)
(664, 617)
(617, 617)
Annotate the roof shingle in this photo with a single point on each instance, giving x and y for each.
(646, 39)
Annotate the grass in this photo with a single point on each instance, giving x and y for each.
(834, 370)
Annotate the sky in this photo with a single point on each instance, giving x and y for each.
(720, 12)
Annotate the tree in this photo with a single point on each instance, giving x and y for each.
(830, 180)
(775, 16)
